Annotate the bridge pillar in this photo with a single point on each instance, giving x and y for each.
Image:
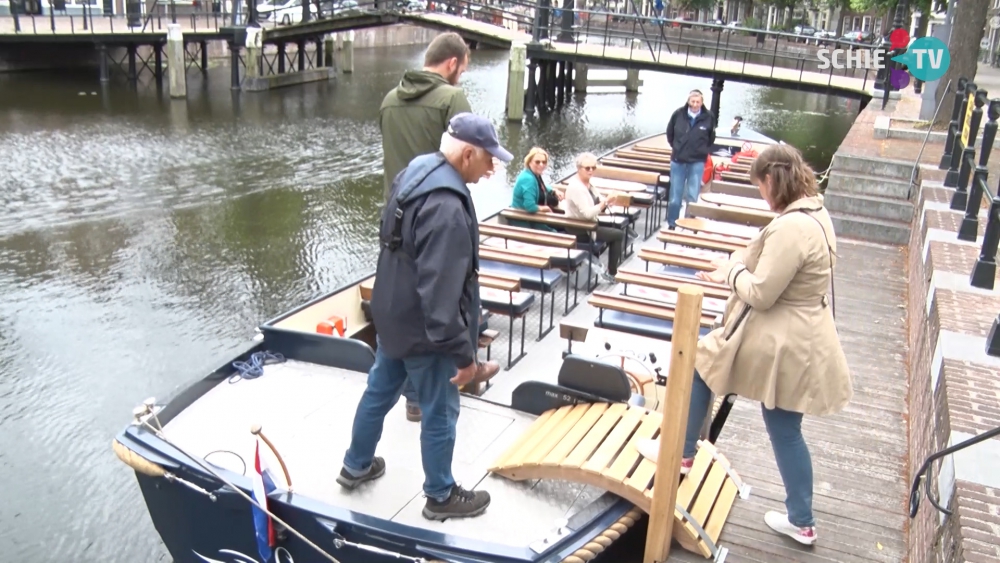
(515, 82)
(580, 78)
(632, 80)
(176, 77)
(328, 51)
(347, 54)
(529, 98)
(717, 84)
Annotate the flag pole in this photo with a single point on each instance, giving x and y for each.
(256, 430)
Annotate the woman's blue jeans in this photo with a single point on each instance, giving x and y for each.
(790, 450)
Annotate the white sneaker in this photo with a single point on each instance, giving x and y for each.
(650, 449)
(778, 522)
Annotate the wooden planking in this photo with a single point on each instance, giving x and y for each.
(554, 219)
(736, 201)
(630, 456)
(675, 259)
(707, 242)
(514, 257)
(503, 283)
(639, 306)
(523, 234)
(563, 449)
(671, 283)
(700, 225)
(748, 217)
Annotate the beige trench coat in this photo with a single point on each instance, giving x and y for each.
(790, 355)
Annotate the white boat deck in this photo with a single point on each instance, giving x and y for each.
(307, 410)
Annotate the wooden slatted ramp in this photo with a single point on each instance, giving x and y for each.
(595, 444)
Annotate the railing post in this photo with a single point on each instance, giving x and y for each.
(970, 225)
(961, 195)
(956, 111)
(993, 340)
(951, 180)
(984, 272)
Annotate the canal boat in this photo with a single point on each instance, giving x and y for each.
(272, 424)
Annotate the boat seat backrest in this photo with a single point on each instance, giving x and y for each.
(594, 377)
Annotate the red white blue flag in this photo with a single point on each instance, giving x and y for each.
(263, 484)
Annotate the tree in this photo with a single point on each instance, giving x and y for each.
(966, 32)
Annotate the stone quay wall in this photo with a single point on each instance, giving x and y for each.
(954, 386)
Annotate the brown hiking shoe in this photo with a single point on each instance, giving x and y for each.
(412, 412)
(485, 372)
(460, 504)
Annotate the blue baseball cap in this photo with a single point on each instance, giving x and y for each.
(478, 131)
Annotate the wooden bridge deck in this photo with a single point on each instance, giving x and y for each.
(859, 456)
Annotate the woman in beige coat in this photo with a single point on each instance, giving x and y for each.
(779, 344)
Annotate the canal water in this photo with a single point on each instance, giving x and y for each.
(142, 240)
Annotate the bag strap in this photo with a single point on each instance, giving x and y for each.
(833, 291)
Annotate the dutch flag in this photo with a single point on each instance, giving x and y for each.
(263, 483)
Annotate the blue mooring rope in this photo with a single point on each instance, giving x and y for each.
(255, 367)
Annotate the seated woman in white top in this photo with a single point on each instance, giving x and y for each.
(582, 202)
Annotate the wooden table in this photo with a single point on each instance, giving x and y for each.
(717, 227)
(735, 201)
(617, 185)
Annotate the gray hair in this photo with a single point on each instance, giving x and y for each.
(585, 157)
(452, 148)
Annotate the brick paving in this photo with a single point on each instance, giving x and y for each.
(962, 398)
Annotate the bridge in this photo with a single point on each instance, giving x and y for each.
(553, 55)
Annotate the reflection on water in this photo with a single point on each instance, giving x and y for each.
(143, 238)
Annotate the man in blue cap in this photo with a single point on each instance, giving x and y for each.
(425, 307)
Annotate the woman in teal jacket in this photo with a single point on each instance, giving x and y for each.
(530, 192)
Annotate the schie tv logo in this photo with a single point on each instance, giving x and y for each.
(927, 59)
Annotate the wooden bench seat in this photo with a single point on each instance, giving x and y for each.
(639, 316)
(534, 271)
(645, 165)
(560, 248)
(502, 295)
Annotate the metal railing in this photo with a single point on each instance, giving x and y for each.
(659, 40)
(711, 47)
(970, 180)
(922, 473)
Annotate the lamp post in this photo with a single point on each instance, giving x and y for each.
(902, 8)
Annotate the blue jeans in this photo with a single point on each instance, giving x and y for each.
(685, 181)
(438, 399)
(790, 450)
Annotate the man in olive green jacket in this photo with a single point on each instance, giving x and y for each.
(415, 114)
(413, 118)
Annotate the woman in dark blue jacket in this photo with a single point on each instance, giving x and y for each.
(530, 192)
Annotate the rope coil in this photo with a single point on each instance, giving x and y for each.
(602, 541)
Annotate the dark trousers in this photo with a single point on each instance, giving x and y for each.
(615, 239)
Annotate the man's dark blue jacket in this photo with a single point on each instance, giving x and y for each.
(690, 142)
(426, 294)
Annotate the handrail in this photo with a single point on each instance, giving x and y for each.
(930, 127)
(915, 496)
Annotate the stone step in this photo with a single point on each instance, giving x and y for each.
(853, 183)
(890, 209)
(870, 166)
(870, 230)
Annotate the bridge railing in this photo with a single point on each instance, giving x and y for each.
(707, 46)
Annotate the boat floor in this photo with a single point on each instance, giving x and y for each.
(307, 410)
